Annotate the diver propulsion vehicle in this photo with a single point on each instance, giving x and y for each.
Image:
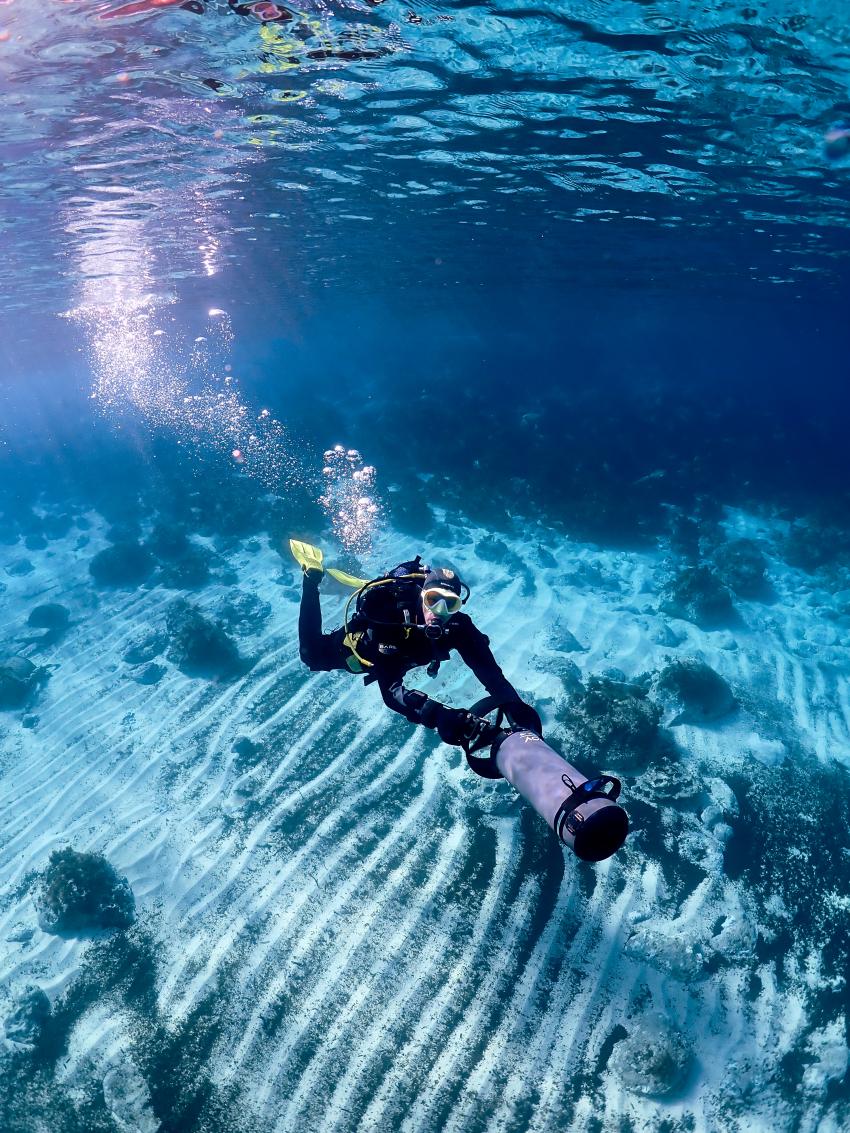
(582, 812)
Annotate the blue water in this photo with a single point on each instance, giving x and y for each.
(569, 285)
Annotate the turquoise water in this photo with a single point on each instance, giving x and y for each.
(554, 295)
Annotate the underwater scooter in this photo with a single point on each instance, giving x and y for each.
(583, 812)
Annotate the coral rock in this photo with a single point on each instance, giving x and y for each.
(244, 613)
(690, 692)
(24, 1023)
(81, 893)
(19, 679)
(124, 564)
(613, 722)
(697, 595)
(149, 674)
(653, 1060)
(51, 615)
(145, 648)
(199, 646)
(741, 566)
(19, 568)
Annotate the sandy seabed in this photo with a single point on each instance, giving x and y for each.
(338, 927)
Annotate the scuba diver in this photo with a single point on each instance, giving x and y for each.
(405, 619)
(411, 617)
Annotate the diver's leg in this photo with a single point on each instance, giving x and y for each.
(310, 644)
(319, 651)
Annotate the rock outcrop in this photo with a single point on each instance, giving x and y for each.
(80, 893)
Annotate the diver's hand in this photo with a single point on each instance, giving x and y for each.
(462, 729)
(454, 725)
(524, 716)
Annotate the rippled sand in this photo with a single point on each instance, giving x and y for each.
(339, 927)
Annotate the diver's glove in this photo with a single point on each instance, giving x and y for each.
(524, 716)
(454, 725)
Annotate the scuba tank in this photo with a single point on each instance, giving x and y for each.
(384, 608)
(582, 812)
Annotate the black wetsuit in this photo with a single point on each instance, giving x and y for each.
(393, 655)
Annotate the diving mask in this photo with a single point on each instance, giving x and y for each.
(441, 603)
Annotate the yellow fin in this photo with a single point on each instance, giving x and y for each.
(308, 556)
(347, 579)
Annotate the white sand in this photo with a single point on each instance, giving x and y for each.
(363, 910)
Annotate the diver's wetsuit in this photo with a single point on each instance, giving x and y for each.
(322, 652)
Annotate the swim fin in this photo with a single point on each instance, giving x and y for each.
(347, 579)
(308, 556)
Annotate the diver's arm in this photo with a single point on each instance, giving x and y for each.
(474, 649)
(452, 724)
(414, 705)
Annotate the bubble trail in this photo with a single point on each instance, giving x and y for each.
(349, 499)
(190, 391)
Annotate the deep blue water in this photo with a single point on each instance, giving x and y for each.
(567, 400)
(623, 227)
